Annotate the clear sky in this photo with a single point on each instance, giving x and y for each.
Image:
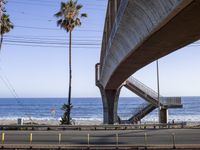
(37, 68)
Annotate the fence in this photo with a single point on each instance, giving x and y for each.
(92, 127)
(90, 140)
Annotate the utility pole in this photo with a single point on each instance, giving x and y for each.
(158, 87)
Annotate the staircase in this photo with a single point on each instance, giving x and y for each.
(143, 91)
(141, 112)
(151, 97)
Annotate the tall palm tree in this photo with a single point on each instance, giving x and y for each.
(69, 17)
(6, 26)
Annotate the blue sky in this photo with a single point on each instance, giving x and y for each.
(36, 71)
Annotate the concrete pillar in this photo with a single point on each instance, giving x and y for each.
(163, 115)
(110, 105)
(109, 98)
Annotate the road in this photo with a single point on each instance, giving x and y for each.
(125, 137)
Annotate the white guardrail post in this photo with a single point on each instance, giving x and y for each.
(88, 139)
(117, 140)
(145, 140)
(30, 138)
(59, 138)
(173, 138)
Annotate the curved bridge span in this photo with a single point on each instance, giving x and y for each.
(136, 33)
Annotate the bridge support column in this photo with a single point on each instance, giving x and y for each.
(110, 105)
(164, 115)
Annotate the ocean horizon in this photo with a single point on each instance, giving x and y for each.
(90, 109)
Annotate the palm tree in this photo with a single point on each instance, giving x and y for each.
(6, 26)
(69, 18)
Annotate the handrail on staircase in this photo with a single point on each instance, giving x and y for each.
(144, 88)
(148, 91)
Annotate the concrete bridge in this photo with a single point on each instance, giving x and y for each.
(136, 33)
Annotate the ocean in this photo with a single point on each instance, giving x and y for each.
(89, 109)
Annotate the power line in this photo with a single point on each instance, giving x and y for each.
(12, 90)
(43, 28)
(51, 46)
(40, 4)
(52, 36)
(51, 43)
(50, 39)
(53, 2)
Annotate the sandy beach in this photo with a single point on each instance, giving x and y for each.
(77, 122)
(49, 122)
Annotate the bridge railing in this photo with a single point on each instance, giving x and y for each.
(135, 111)
(144, 88)
(139, 108)
(113, 15)
(175, 101)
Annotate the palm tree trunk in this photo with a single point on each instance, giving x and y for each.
(1, 41)
(70, 76)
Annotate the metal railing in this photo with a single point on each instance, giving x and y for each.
(135, 112)
(150, 92)
(31, 140)
(141, 111)
(143, 87)
(87, 127)
(172, 101)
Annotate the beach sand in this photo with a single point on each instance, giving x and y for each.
(77, 122)
(49, 122)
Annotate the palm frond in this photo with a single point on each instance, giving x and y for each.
(58, 14)
(59, 22)
(78, 7)
(84, 15)
(62, 5)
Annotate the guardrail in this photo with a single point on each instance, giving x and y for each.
(92, 127)
(89, 141)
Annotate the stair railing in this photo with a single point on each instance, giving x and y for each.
(146, 89)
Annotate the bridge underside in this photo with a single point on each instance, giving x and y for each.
(147, 31)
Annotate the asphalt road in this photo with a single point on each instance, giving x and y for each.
(136, 137)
